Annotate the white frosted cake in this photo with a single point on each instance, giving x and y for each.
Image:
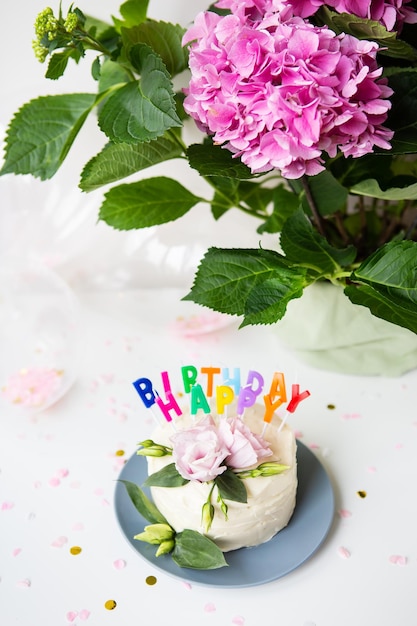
(270, 498)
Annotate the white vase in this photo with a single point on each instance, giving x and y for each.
(324, 329)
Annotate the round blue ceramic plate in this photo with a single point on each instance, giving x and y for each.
(291, 547)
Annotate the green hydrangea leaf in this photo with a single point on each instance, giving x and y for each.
(371, 188)
(388, 284)
(195, 551)
(328, 194)
(119, 160)
(58, 64)
(142, 503)
(146, 203)
(134, 11)
(144, 109)
(231, 487)
(211, 160)
(284, 204)
(403, 115)
(164, 38)
(362, 28)
(168, 476)
(43, 131)
(299, 240)
(234, 281)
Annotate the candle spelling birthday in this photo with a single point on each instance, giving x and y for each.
(221, 386)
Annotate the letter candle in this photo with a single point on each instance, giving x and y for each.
(223, 394)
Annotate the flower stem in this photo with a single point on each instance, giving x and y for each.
(311, 203)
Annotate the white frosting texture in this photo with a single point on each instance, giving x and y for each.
(270, 502)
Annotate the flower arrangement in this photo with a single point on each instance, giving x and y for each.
(308, 113)
(222, 454)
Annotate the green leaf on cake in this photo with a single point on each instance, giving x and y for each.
(168, 476)
(142, 503)
(231, 487)
(195, 551)
(42, 132)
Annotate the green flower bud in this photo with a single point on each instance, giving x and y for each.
(271, 468)
(156, 534)
(207, 515)
(165, 547)
(151, 452)
(224, 509)
(71, 22)
(150, 448)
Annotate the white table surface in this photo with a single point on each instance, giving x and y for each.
(58, 468)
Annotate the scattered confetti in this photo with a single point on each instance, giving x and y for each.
(398, 559)
(78, 526)
(63, 473)
(150, 580)
(331, 407)
(17, 551)
(110, 605)
(351, 416)
(32, 387)
(362, 494)
(76, 550)
(343, 552)
(54, 482)
(119, 564)
(210, 607)
(372, 469)
(24, 584)
(84, 614)
(238, 620)
(120, 453)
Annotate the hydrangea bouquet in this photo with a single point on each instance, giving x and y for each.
(308, 118)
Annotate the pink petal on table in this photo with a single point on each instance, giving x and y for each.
(24, 584)
(72, 615)
(343, 552)
(210, 607)
(398, 559)
(84, 614)
(119, 564)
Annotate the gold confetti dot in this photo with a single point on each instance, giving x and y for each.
(120, 452)
(150, 580)
(110, 605)
(362, 494)
(75, 550)
(331, 407)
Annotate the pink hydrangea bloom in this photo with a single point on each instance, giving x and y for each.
(245, 447)
(279, 93)
(393, 14)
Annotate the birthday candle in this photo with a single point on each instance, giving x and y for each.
(224, 395)
(277, 396)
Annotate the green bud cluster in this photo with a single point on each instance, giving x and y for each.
(270, 468)
(150, 448)
(158, 534)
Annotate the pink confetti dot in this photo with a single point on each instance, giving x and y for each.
(344, 513)
(6, 506)
(78, 526)
(84, 614)
(72, 615)
(210, 607)
(63, 473)
(398, 559)
(372, 469)
(238, 620)
(54, 482)
(351, 416)
(187, 585)
(24, 584)
(343, 552)
(17, 551)
(59, 542)
(119, 564)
